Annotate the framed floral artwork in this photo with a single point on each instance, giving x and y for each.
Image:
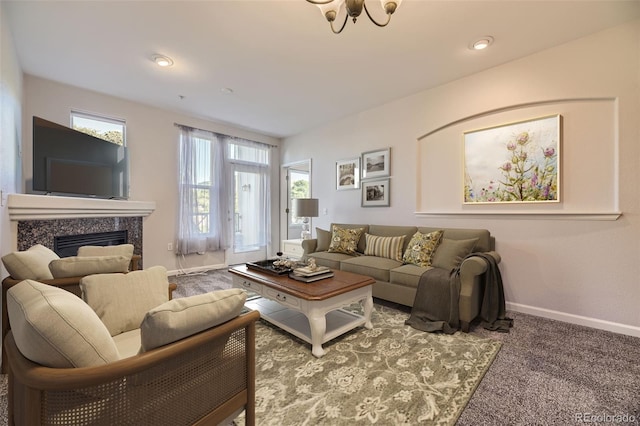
(375, 193)
(513, 163)
(376, 163)
(348, 174)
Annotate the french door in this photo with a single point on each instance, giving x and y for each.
(250, 214)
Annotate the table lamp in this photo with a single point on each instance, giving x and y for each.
(305, 208)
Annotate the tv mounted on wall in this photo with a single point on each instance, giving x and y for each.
(69, 162)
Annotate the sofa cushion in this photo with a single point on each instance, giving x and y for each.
(375, 267)
(116, 250)
(389, 247)
(345, 240)
(76, 266)
(408, 275)
(183, 317)
(122, 300)
(485, 241)
(361, 243)
(394, 231)
(421, 248)
(55, 328)
(324, 239)
(31, 264)
(330, 260)
(450, 253)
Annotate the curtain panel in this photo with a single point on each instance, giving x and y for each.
(203, 193)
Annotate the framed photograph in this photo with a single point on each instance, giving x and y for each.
(376, 163)
(348, 174)
(513, 163)
(375, 193)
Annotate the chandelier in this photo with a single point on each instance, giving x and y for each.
(330, 9)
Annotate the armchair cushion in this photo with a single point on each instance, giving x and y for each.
(122, 300)
(117, 250)
(31, 264)
(76, 266)
(180, 318)
(55, 328)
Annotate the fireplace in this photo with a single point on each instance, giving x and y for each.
(67, 245)
(38, 219)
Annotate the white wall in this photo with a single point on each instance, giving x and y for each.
(10, 129)
(582, 271)
(152, 140)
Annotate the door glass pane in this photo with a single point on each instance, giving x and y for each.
(298, 188)
(248, 218)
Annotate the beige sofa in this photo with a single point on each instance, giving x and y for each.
(397, 281)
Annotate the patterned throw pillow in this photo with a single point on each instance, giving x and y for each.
(390, 247)
(345, 240)
(421, 248)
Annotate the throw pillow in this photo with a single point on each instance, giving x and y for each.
(345, 240)
(55, 328)
(390, 247)
(31, 264)
(117, 250)
(80, 266)
(421, 248)
(324, 239)
(122, 300)
(450, 253)
(183, 317)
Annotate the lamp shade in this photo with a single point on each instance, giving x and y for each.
(305, 207)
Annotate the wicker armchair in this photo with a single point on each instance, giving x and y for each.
(206, 378)
(71, 284)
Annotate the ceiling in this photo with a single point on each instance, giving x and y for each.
(288, 71)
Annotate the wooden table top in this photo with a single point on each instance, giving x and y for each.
(341, 282)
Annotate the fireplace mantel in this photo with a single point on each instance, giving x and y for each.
(43, 207)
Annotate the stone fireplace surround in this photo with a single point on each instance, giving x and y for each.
(37, 219)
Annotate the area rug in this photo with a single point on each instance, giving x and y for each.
(390, 375)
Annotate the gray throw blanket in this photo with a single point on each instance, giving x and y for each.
(435, 307)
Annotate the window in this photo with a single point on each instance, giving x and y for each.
(108, 129)
(223, 193)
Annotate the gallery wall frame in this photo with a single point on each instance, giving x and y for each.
(348, 174)
(376, 193)
(376, 164)
(518, 162)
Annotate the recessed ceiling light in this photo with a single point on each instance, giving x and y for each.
(481, 43)
(162, 61)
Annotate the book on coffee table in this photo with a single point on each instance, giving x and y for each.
(309, 279)
(308, 272)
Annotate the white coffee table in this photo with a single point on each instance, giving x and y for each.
(310, 311)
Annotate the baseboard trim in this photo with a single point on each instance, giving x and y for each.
(614, 327)
(205, 268)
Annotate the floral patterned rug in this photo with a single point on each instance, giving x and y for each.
(390, 375)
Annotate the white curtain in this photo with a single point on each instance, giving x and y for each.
(203, 193)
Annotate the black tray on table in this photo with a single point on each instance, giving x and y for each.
(268, 267)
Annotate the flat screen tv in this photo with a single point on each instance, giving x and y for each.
(69, 162)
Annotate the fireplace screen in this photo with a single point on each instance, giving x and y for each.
(67, 245)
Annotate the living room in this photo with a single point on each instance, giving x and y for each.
(576, 261)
